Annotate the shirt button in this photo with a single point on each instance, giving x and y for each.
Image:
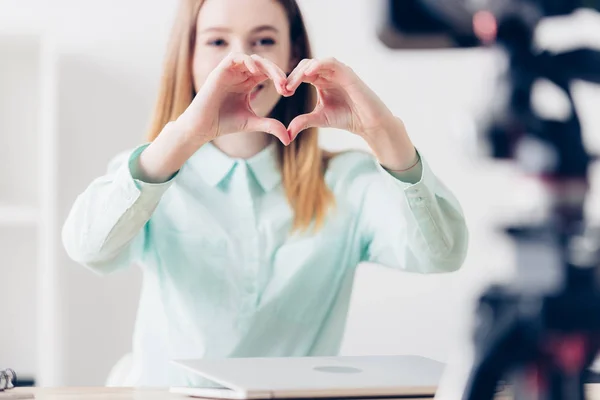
(128, 195)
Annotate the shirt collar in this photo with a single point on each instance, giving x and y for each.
(213, 165)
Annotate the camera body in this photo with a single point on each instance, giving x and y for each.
(439, 24)
(527, 328)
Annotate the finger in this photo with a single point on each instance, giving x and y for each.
(310, 73)
(268, 125)
(305, 121)
(252, 66)
(234, 61)
(253, 71)
(242, 63)
(273, 71)
(295, 78)
(237, 69)
(297, 70)
(328, 64)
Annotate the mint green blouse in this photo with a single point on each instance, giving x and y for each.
(223, 276)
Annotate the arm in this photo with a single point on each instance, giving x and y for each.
(416, 227)
(408, 217)
(104, 229)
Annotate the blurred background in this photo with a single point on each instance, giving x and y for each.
(78, 80)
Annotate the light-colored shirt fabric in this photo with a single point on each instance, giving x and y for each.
(222, 274)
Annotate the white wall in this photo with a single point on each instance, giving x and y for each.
(110, 59)
(109, 62)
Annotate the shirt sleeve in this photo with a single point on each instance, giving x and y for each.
(105, 229)
(411, 222)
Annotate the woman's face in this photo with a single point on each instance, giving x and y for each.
(245, 26)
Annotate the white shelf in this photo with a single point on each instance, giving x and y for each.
(18, 215)
(28, 96)
(18, 270)
(20, 111)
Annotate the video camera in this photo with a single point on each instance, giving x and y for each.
(437, 24)
(538, 335)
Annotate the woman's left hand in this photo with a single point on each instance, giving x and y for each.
(345, 102)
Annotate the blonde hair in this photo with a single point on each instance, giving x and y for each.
(302, 163)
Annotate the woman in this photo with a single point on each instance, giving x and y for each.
(247, 233)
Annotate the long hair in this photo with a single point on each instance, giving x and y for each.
(302, 163)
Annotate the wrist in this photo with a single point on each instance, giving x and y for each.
(166, 154)
(392, 146)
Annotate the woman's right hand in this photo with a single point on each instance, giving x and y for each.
(222, 105)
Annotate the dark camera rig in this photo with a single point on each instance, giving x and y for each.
(541, 333)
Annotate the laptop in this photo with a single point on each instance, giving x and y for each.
(315, 377)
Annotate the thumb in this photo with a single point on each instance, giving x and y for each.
(304, 121)
(268, 125)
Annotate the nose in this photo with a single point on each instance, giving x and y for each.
(239, 46)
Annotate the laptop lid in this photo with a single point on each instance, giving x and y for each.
(303, 377)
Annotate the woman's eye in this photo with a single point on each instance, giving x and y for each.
(265, 42)
(217, 42)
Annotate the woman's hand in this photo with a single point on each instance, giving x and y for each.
(346, 102)
(222, 105)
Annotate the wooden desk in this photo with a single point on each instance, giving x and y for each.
(100, 393)
(104, 394)
(132, 394)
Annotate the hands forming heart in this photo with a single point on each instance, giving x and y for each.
(344, 101)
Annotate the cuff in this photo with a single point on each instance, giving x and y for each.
(134, 170)
(422, 176)
(419, 174)
(411, 176)
(135, 190)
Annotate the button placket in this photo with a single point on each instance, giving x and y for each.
(249, 239)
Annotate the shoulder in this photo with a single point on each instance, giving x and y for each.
(352, 172)
(350, 164)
